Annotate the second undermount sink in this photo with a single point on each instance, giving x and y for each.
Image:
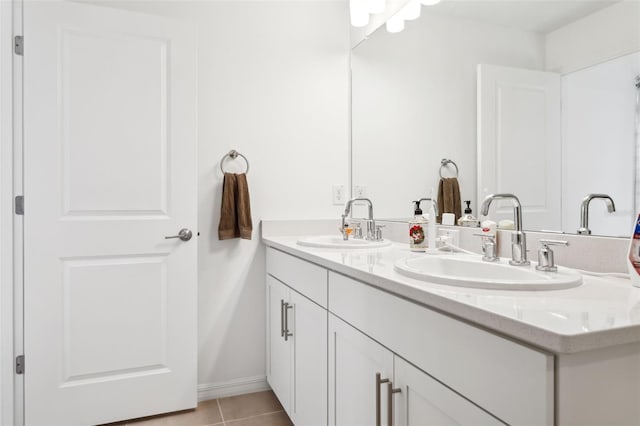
(471, 271)
(333, 241)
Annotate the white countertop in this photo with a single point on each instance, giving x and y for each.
(601, 312)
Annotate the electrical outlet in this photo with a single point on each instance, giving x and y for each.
(338, 195)
(359, 191)
(452, 234)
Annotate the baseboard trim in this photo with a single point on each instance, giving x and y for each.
(240, 386)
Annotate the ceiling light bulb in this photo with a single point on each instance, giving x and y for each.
(358, 12)
(429, 2)
(395, 24)
(411, 10)
(376, 6)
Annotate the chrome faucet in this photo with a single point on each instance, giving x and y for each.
(371, 224)
(584, 211)
(518, 238)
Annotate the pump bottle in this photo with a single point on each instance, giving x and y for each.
(417, 231)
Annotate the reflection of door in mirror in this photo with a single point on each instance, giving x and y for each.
(519, 142)
(598, 116)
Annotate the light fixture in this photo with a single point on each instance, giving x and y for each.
(429, 2)
(395, 24)
(359, 13)
(411, 10)
(376, 6)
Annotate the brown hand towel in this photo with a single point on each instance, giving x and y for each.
(243, 206)
(449, 198)
(235, 210)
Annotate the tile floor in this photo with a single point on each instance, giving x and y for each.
(253, 409)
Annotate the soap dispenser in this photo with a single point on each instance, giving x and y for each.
(417, 237)
(468, 219)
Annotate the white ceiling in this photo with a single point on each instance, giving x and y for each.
(540, 16)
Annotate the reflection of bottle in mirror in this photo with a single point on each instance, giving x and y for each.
(633, 261)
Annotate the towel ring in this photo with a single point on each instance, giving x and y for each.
(444, 163)
(233, 154)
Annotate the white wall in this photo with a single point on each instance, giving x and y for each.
(601, 36)
(414, 103)
(598, 110)
(273, 84)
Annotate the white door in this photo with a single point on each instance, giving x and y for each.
(519, 143)
(423, 401)
(109, 171)
(309, 328)
(354, 362)
(278, 349)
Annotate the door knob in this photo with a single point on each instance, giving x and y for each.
(184, 234)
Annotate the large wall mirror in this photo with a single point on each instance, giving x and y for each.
(535, 98)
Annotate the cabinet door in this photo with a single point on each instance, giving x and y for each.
(308, 323)
(423, 401)
(278, 350)
(354, 361)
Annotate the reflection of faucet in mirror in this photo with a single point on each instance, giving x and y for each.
(518, 238)
(371, 225)
(435, 204)
(584, 211)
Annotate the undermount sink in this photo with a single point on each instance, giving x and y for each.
(333, 241)
(471, 271)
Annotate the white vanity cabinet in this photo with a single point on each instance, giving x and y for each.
(346, 334)
(370, 385)
(297, 338)
(511, 381)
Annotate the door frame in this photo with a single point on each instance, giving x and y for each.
(11, 225)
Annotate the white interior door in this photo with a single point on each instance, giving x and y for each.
(519, 143)
(109, 171)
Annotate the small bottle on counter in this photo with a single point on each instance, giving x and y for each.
(417, 229)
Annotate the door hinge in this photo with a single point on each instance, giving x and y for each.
(20, 205)
(18, 45)
(20, 364)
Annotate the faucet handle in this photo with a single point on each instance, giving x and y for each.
(489, 247)
(378, 235)
(358, 230)
(545, 255)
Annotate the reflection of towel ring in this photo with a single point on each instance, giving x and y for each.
(233, 154)
(444, 162)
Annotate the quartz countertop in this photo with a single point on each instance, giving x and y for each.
(603, 311)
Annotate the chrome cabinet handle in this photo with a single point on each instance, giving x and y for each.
(184, 234)
(287, 334)
(390, 391)
(281, 317)
(379, 381)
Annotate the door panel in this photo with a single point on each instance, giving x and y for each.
(131, 134)
(519, 142)
(279, 351)
(423, 401)
(354, 361)
(310, 361)
(109, 171)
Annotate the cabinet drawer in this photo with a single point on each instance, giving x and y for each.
(306, 278)
(512, 381)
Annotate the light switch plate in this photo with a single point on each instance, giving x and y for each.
(338, 195)
(359, 191)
